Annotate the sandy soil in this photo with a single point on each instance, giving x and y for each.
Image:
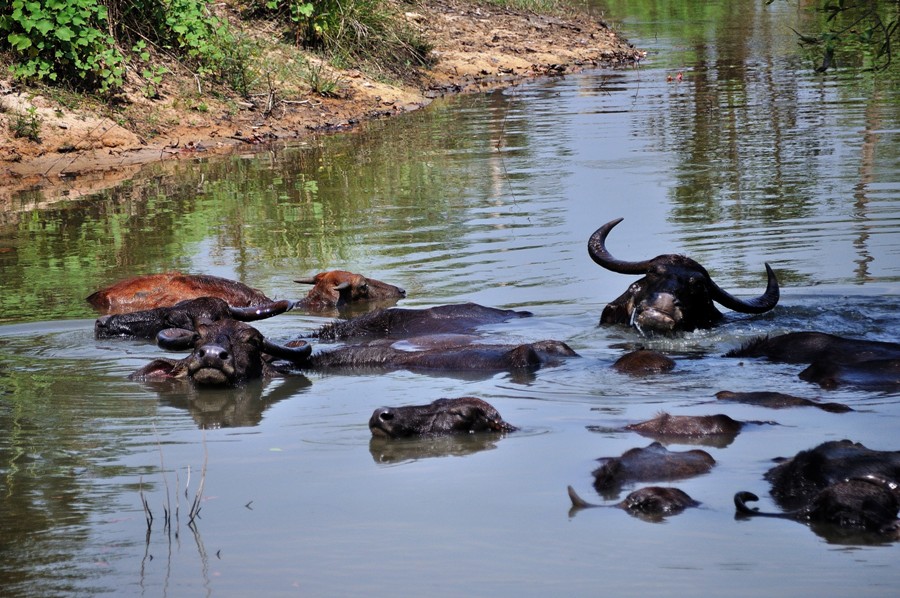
(477, 47)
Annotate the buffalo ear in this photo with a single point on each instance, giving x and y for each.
(155, 370)
(176, 339)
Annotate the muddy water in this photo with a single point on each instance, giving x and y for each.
(750, 158)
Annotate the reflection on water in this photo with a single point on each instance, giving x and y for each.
(749, 158)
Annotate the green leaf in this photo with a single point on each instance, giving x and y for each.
(64, 33)
(19, 42)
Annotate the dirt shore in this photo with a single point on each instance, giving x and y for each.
(476, 47)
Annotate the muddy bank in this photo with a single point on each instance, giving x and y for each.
(476, 47)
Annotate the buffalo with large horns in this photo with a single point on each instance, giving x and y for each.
(675, 293)
(225, 353)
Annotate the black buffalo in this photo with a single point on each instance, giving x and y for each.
(444, 416)
(675, 293)
(464, 357)
(796, 480)
(868, 503)
(225, 353)
(667, 427)
(651, 503)
(778, 400)
(397, 322)
(149, 322)
(831, 360)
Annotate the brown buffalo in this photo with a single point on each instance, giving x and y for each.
(149, 322)
(225, 353)
(675, 293)
(651, 463)
(651, 503)
(150, 291)
(643, 362)
(443, 416)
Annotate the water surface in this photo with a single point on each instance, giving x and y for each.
(750, 158)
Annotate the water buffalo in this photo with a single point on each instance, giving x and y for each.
(868, 503)
(675, 293)
(778, 400)
(163, 290)
(149, 322)
(832, 360)
(665, 426)
(467, 357)
(809, 347)
(651, 503)
(650, 463)
(225, 353)
(873, 374)
(443, 416)
(400, 322)
(796, 480)
(643, 362)
(339, 287)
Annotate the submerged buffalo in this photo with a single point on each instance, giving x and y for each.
(651, 463)
(444, 416)
(225, 353)
(643, 362)
(778, 400)
(666, 426)
(651, 503)
(466, 357)
(149, 322)
(798, 479)
(867, 503)
(675, 293)
(809, 347)
(330, 289)
(832, 360)
(839, 483)
(397, 322)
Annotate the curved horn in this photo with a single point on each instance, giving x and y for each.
(758, 305)
(298, 354)
(176, 339)
(740, 504)
(597, 251)
(310, 280)
(273, 308)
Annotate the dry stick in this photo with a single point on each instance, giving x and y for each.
(195, 508)
(167, 509)
(148, 515)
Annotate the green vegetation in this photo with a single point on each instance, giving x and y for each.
(356, 32)
(90, 45)
(27, 125)
(862, 30)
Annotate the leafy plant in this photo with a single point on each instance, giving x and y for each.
(62, 40)
(27, 125)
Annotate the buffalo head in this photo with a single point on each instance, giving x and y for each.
(149, 322)
(675, 293)
(339, 287)
(225, 353)
(443, 416)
